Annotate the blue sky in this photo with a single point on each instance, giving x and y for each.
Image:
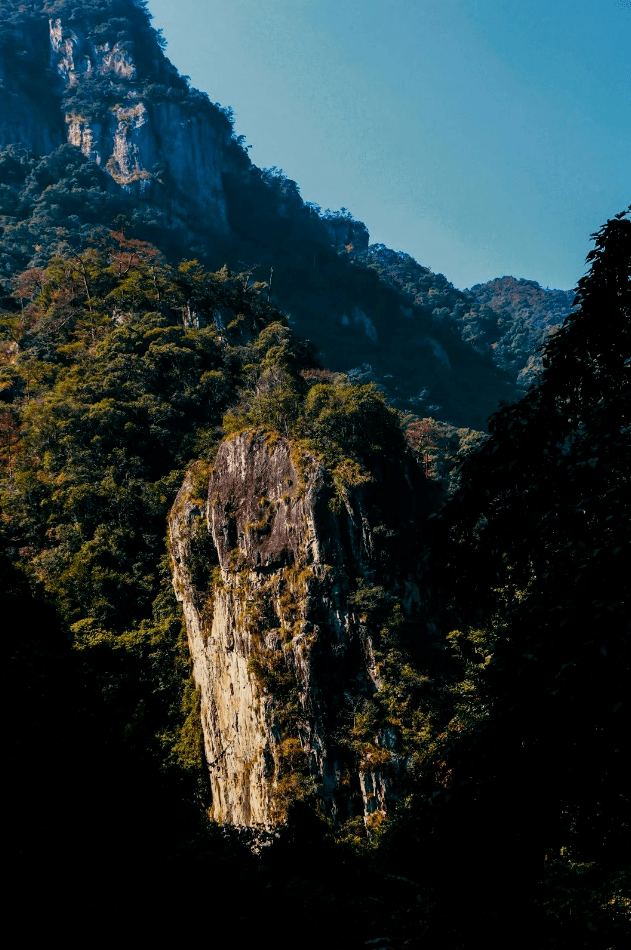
(482, 137)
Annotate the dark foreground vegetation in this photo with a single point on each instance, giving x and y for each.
(118, 370)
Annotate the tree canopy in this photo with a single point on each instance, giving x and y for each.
(533, 544)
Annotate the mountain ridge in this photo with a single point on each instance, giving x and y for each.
(166, 158)
(369, 680)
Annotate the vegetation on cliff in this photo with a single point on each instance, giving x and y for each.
(118, 370)
(62, 201)
(52, 199)
(505, 692)
(107, 396)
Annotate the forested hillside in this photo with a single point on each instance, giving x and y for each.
(505, 319)
(295, 652)
(534, 541)
(117, 372)
(98, 153)
(527, 314)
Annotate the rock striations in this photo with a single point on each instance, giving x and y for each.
(139, 142)
(282, 654)
(148, 132)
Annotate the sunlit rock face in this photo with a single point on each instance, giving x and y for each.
(60, 83)
(140, 142)
(74, 56)
(282, 658)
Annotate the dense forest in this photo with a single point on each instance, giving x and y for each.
(505, 319)
(487, 596)
(118, 371)
(59, 202)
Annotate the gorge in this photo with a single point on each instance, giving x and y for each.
(292, 634)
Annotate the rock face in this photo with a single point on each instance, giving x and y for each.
(93, 76)
(153, 136)
(283, 658)
(137, 141)
(26, 117)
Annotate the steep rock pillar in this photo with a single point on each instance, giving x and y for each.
(265, 566)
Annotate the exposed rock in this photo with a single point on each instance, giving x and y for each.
(22, 125)
(360, 319)
(135, 138)
(172, 161)
(26, 117)
(282, 658)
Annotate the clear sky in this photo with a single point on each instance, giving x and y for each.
(484, 137)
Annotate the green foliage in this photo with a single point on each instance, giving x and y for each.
(505, 319)
(294, 783)
(440, 447)
(49, 205)
(345, 302)
(429, 695)
(111, 391)
(350, 421)
(202, 557)
(526, 315)
(189, 745)
(116, 368)
(349, 427)
(533, 546)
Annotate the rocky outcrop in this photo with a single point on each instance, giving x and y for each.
(359, 319)
(95, 76)
(30, 118)
(141, 141)
(74, 57)
(283, 655)
(21, 125)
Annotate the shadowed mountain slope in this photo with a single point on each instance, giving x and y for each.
(97, 126)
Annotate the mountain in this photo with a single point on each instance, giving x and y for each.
(286, 642)
(527, 314)
(295, 514)
(97, 126)
(231, 590)
(506, 319)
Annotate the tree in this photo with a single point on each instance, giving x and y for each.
(534, 548)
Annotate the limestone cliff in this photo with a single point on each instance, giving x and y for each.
(144, 127)
(29, 114)
(282, 653)
(141, 140)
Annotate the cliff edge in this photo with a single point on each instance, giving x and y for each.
(274, 571)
